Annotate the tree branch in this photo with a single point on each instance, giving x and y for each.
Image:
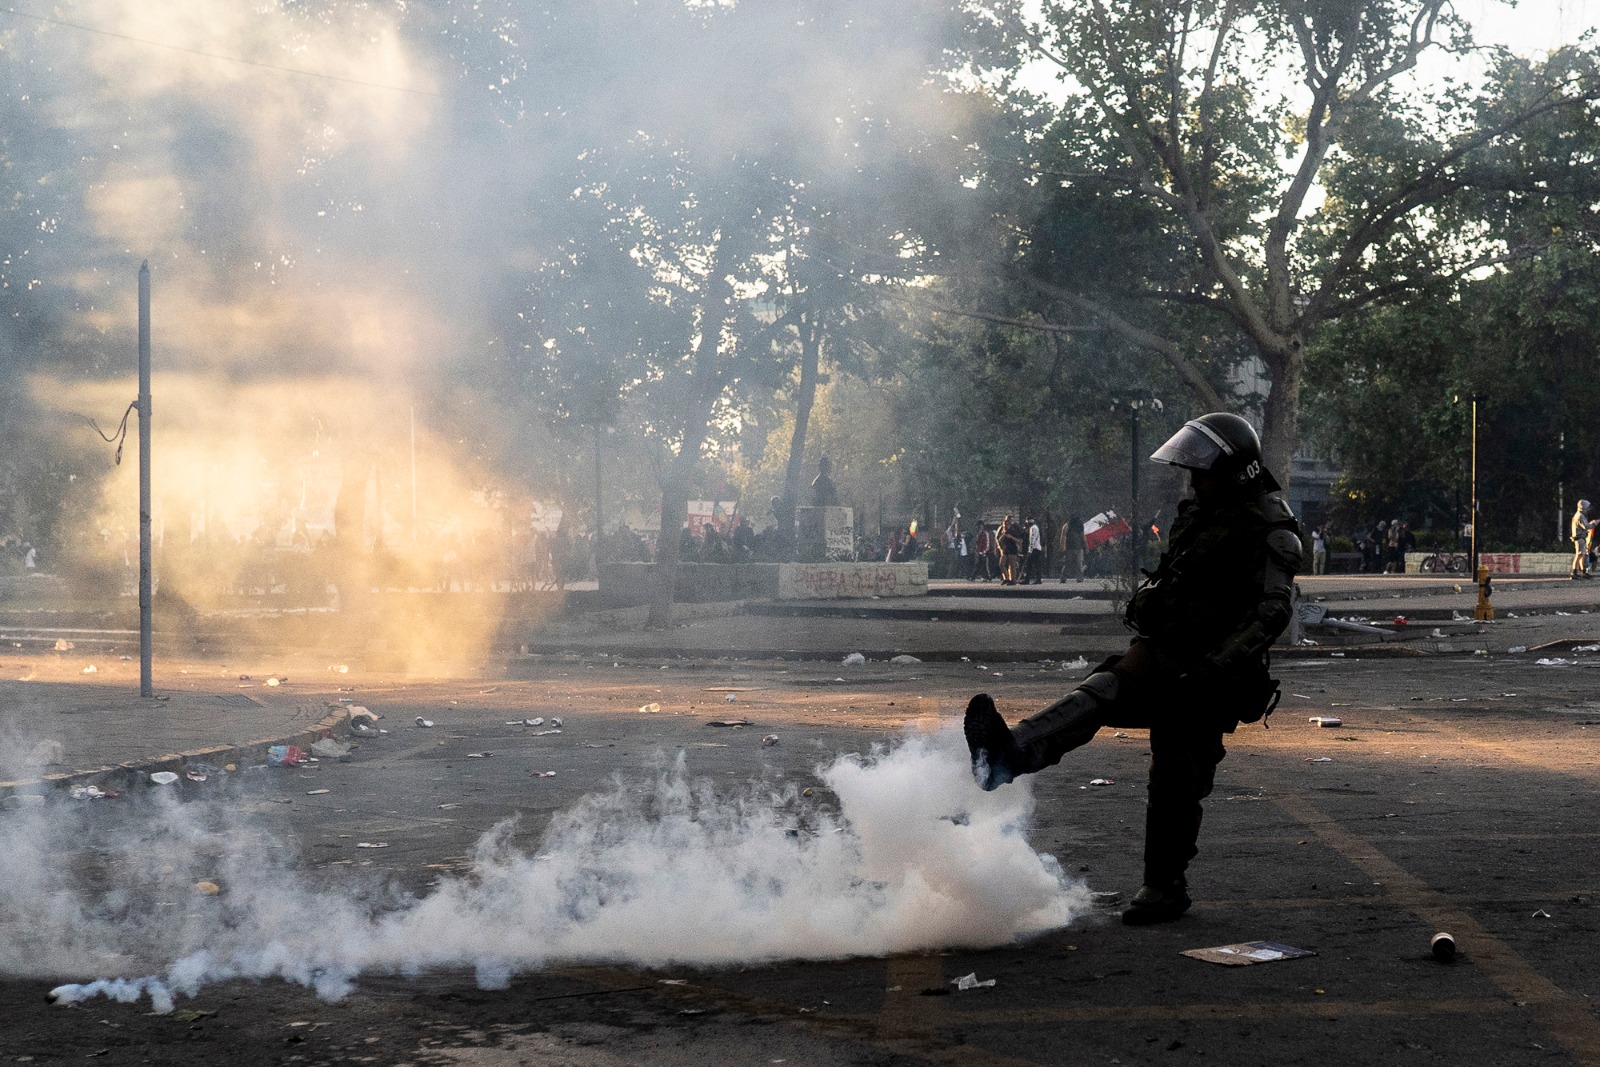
(1002, 320)
(1430, 184)
(1185, 367)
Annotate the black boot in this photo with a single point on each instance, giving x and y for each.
(1156, 904)
(994, 751)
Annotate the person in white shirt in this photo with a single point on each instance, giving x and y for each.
(1035, 567)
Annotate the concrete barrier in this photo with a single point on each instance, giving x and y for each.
(826, 581)
(626, 585)
(1503, 563)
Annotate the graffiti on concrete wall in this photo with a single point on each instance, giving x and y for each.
(820, 581)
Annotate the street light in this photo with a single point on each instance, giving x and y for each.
(1483, 610)
(1474, 398)
(1135, 401)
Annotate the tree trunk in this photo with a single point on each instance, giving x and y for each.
(674, 512)
(697, 409)
(1280, 420)
(810, 356)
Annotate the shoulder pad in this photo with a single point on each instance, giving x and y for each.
(1284, 546)
(1275, 509)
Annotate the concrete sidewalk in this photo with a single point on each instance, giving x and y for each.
(59, 728)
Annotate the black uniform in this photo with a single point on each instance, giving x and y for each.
(1204, 620)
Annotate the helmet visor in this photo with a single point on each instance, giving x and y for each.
(1193, 447)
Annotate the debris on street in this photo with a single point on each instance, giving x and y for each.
(1247, 952)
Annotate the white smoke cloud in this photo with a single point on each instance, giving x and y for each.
(917, 857)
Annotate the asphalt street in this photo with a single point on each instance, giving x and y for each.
(1458, 795)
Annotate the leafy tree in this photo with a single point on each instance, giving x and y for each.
(1183, 190)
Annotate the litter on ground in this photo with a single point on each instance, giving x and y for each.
(1247, 952)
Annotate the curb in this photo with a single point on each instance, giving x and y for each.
(122, 775)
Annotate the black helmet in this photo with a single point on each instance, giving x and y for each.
(1222, 443)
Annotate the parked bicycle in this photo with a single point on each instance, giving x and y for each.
(1444, 563)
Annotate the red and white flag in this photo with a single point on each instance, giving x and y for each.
(1103, 527)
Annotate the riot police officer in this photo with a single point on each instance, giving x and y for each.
(1197, 666)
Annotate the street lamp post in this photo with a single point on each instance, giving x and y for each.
(1135, 401)
(1483, 611)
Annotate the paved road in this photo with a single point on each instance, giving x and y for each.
(1459, 796)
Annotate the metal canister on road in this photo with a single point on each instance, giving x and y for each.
(1443, 947)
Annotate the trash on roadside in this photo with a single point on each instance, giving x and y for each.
(372, 844)
(854, 659)
(1436, 632)
(1541, 914)
(905, 661)
(317, 792)
(63, 645)
(730, 698)
(1326, 720)
(1101, 781)
(769, 740)
(1400, 620)
(208, 888)
(426, 724)
(1554, 661)
(91, 669)
(543, 774)
(651, 708)
(163, 777)
(479, 755)
(537, 720)
(195, 775)
(555, 722)
(360, 711)
(1515, 649)
(1107, 898)
(970, 981)
(1587, 648)
(733, 723)
(328, 748)
(1443, 947)
(1319, 759)
(1247, 952)
(1121, 733)
(285, 756)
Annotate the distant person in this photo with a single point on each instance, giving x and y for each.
(1581, 526)
(983, 554)
(1009, 540)
(1319, 552)
(1033, 569)
(1070, 548)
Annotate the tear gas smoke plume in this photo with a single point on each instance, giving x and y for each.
(309, 493)
(917, 857)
